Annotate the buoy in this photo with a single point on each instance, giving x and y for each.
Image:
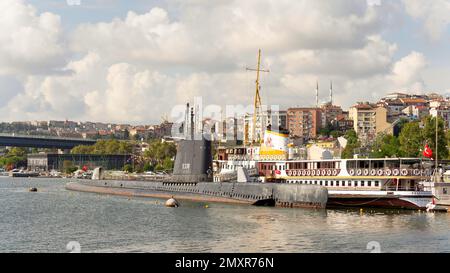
(172, 203)
(33, 190)
(206, 206)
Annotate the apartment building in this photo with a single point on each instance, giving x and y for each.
(304, 122)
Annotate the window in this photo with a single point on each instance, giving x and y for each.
(326, 183)
(337, 183)
(369, 184)
(377, 183)
(444, 191)
(363, 183)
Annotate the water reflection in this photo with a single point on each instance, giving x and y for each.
(47, 220)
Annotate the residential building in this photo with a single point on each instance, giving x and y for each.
(304, 122)
(444, 113)
(330, 113)
(369, 120)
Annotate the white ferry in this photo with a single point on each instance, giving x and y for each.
(384, 183)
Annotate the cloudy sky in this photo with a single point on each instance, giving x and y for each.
(131, 61)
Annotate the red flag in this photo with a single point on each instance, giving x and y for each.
(85, 168)
(427, 152)
(277, 172)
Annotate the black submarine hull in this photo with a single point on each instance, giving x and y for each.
(260, 194)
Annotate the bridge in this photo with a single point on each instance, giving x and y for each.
(42, 141)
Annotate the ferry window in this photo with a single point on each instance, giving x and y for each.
(444, 190)
(320, 183)
(377, 183)
(331, 183)
(337, 183)
(369, 184)
(326, 183)
(362, 183)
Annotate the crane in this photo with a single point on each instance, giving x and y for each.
(257, 101)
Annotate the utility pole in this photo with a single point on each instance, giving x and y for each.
(436, 167)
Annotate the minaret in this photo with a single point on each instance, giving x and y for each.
(331, 92)
(317, 94)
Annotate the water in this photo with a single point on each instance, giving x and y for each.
(48, 220)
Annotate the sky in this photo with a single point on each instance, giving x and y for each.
(132, 61)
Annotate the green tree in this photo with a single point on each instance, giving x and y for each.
(411, 139)
(386, 146)
(128, 168)
(429, 134)
(352, 144)
(148, 167)
(103, 147)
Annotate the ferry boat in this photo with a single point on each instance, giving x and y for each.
(363, 182)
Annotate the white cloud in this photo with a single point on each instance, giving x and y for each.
(29, 42)
(134, 69)
(434, 14)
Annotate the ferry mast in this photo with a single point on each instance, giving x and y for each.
(257, 102)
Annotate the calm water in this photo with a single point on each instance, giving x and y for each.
(48, 220)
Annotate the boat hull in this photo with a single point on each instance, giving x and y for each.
(295, 196)
(397, 202)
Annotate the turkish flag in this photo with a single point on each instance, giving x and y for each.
(427, 152)
(277, 172)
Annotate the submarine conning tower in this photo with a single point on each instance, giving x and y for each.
(193, 162)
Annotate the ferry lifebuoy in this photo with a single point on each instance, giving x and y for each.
(351, 172)
(416, 172)
(294, 173)
(324, 172)
(388, 172)
(329, 172)
(308, 172)
(373, 172)
(335, 172)
(313, 172)
(395, 172)
(289, 172)
(303, 172)
(404, 172)
(359, 172)
(366, 172)
(380, 172)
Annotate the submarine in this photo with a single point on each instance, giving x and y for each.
(192, 179)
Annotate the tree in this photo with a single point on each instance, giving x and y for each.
(128, 168)
(386, 146)
(352, 144)
(429, 134)
(103, 147)
(411, 139)
(148, 167)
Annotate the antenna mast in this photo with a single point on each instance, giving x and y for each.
(257, 103)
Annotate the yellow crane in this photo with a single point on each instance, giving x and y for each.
(257, 102)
